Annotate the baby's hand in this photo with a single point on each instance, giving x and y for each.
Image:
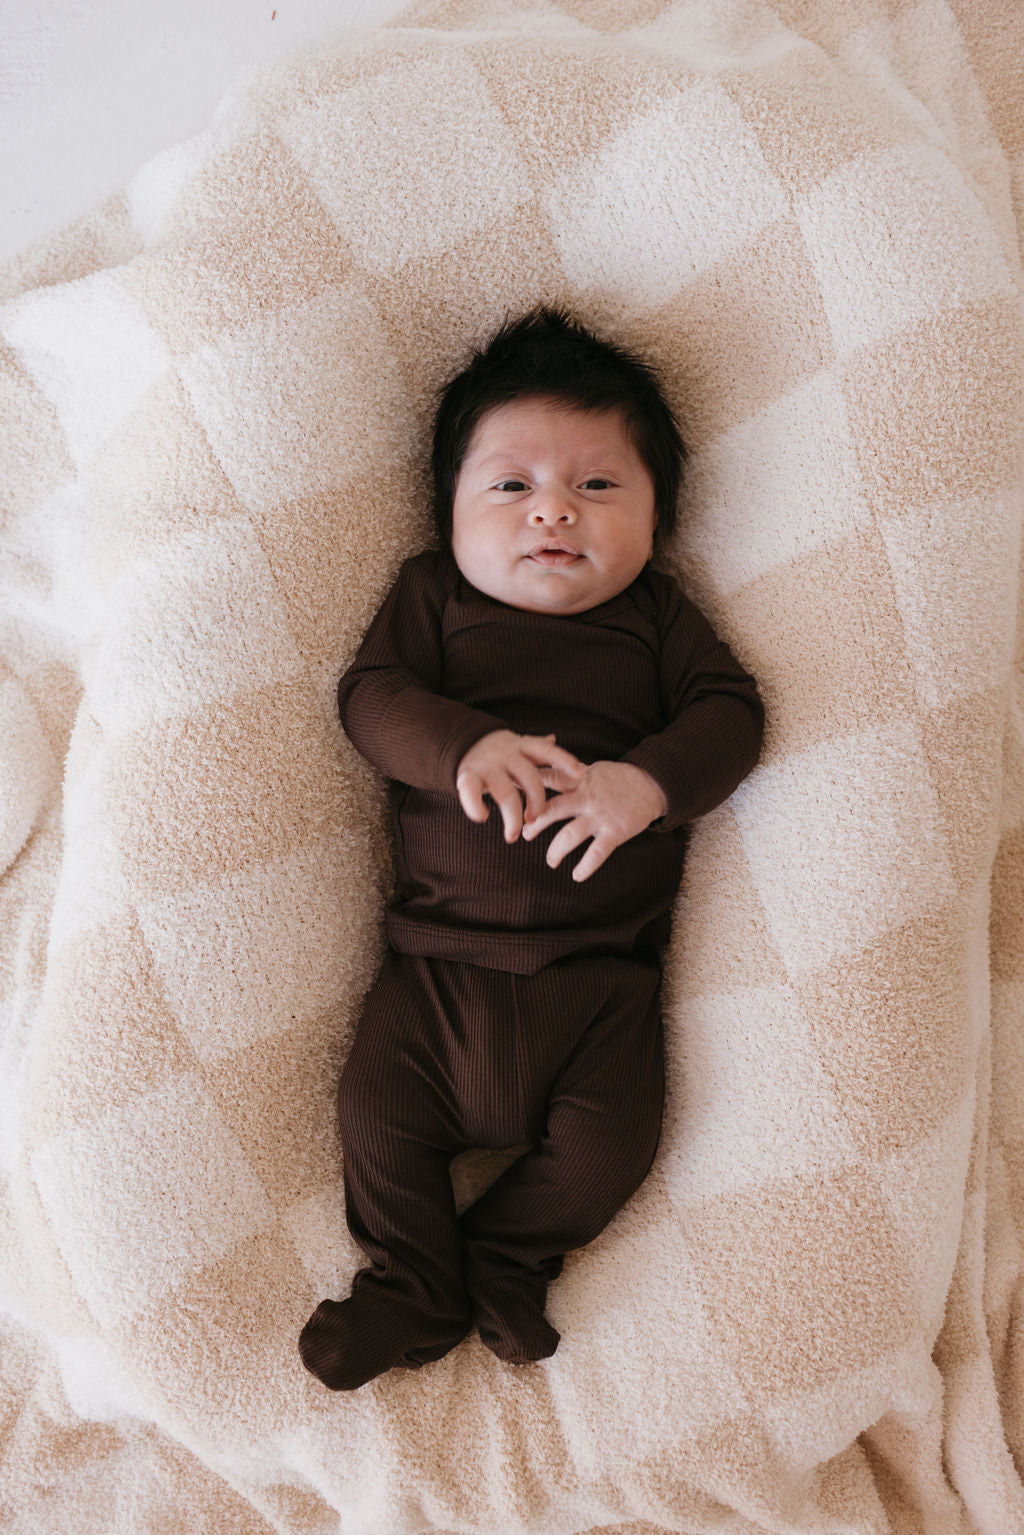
(502, 764)
(612, 802)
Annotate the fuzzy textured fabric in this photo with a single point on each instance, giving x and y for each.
(215, 403)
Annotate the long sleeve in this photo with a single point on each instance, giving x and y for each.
(642, 675)
(717, 719)
(389, 700)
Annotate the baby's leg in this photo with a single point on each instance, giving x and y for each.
(603, 1122)
(398, 1138)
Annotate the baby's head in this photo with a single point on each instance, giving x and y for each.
(555, 458)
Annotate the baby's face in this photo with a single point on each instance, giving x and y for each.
(554, 507)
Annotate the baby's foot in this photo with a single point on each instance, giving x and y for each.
(347, 1343)
(511, 1322)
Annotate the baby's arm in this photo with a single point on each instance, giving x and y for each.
(712, 740)
(390, 698)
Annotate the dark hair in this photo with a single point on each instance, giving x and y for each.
(548, 353)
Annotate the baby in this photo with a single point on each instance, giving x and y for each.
(539, 661)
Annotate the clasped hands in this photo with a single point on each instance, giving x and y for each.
(608, 802)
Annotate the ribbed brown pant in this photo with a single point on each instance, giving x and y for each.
(449, 1056)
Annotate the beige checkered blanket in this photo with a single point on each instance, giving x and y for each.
(215, 402)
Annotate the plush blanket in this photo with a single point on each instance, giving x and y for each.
(216, 400)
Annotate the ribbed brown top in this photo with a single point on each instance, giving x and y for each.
(642, 678)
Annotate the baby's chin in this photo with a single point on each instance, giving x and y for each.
(557, 590)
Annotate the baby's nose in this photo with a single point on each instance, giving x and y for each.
(552, 507)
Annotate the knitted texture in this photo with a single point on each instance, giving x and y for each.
(216, 397)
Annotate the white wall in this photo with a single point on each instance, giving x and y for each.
(91, 89)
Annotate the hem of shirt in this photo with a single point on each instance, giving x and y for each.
(521, 953)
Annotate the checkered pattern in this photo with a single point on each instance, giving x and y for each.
(215, 395)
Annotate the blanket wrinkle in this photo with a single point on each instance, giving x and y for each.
(216, 392)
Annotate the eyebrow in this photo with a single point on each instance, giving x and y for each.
(510, 459)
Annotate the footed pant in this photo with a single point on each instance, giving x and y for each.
(449, 1056)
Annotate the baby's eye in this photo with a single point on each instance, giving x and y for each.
(510, 485)
(597, 483)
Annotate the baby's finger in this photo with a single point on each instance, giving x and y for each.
(558, 809)
(531, 781)
(559, 779)
(592, 859)
(469, 787)
(506, 796)
(544, 751)
(568, 839)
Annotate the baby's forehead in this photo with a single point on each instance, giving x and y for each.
(549, 417)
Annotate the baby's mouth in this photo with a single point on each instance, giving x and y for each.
(554, 552)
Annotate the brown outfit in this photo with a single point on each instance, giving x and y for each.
(514, 1005)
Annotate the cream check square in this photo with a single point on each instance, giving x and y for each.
(242, 959)
(636, 224)
(717, 36)
(898, 238)
(773, 489)
(91, 888)
(699, 1387)
(91, 350)
(844, 841)
(954, 567)
(267, 396)
(373, 146)
(750, 1095)
(192, 621)
(154, 1188)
